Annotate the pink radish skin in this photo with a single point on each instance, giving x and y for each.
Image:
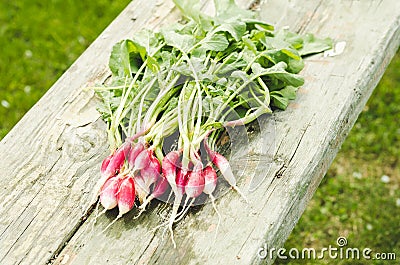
(152, 172)
(105, 163)
(194, 186)
(181, 180)
(159, 189)
(195, 182)
(108, 194)
(223, 165)
(135, 151)
(210, 180)
(116, 163)
(142, 160)
(126, 196)
(169, 168)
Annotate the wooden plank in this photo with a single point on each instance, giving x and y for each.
(308, 136)
(48, 175)
(50, 159)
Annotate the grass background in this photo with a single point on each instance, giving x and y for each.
(359, 197)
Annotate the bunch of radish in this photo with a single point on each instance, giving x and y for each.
(190, 81)
(129, 173)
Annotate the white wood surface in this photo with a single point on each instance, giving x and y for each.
(50, 160)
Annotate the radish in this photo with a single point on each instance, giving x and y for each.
(135, 151)
(223, 165)
(115, 165)
(152, 172)
(181, 180)
(142, 160)
(117, 161)
(210, 179)
(126, 196)
(194, 185)
(105, 163)
(160, 188)
(169, 164)
(108, 194)
(195, 182)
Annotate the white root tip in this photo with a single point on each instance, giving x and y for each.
(146, 202)
(240, 193)
(175, 208)
(212, 198)
(110, 224)
(182, 214)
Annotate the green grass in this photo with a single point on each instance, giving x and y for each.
(41, 39)
(352, 200)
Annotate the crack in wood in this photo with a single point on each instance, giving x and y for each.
(70, 235)
(305, 24)
(17, 239)
(145, 249)
(287, 162)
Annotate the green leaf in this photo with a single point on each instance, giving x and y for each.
(295, 40)
(147, 39)
(126, 58)
(278, 72)
(215, 42)
(253, 23)
(191, 10)
(234, 27)
(280, 98)
(278, 101)
(182, 42)
(288, 92)
(313, 45)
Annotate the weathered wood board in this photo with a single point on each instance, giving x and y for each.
(50, 159)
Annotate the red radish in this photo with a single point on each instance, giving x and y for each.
(142, 160)
(193, 187)
(223, 165)
(108, 194)
(181, 180)
(135, 151)
(126, 196)
(195, 182)
(169, 164)
(152, 172)
(105, 163)
(117, 161)
(115, 165)
(159, 189)
(210, 179)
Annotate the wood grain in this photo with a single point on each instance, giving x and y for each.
(50, 160)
